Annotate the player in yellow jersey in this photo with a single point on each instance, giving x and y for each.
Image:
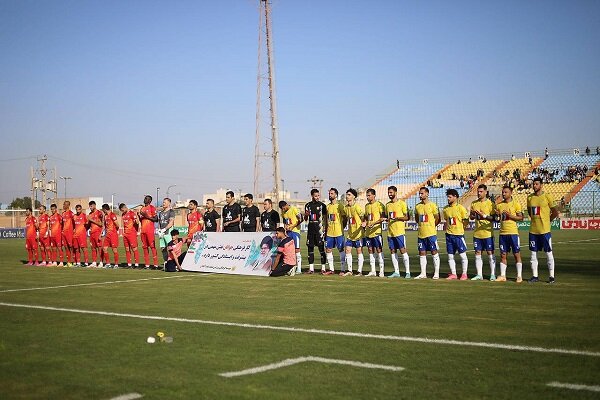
(483, 211)
(427, 217)
(291, 222)
(508, 212)
(354, 214)
(397, 215)
(374, 216)
(542, 210)
(456, 217)
(334, 231)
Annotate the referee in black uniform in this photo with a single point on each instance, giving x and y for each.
(315, 212)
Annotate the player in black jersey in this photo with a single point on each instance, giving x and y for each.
(269, 219)
(315, 212)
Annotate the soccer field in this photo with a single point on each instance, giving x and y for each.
(81, 333)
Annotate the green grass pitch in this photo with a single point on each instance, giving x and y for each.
(58, 354)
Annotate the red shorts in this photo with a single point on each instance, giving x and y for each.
(148, 239)
(31, 243)
(67, 239)
(111, 240)
(79, 242)
(130, 241)
(56, 241)
(95, 239)
(45, 241)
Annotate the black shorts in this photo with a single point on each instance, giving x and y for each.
(314, 239)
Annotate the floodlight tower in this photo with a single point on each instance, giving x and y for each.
(265, 34)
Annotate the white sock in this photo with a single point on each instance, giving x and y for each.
(406, 262)
(423, 263)
(492, 263)
(380, 259)
(298, 262)
(519, 269)
(479, 264)
(451, 263)
(550, 263)
(395, 263)
(311, 267)
(502, 269)
(361, 261)
(349, 262)
(464, 262)
(534, 264)
(436, 264)
(330, 260)
(372, 261)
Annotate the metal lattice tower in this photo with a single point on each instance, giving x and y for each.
(266, 80)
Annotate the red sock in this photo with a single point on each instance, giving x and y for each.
(116, 255)
(105, 257)
(29, 255)
(128, 257)
(146, 256)
(94, 254)
(155, 255)
(136, 253)
(85, 254)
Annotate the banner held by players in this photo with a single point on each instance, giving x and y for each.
(242, 253)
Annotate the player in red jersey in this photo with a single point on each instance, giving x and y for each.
(111, 235)
(195, 221)
(96, 223)
(31, 236)
(67, 232)
(80, 236)
(148, 217)
(55, 236)
(130, 229)
(44, 236)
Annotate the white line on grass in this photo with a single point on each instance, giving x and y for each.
(319, 331)
(292, 361)
(573, 386)
(91, 284)
(128, 396)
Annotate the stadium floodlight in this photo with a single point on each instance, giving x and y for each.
(66, 178)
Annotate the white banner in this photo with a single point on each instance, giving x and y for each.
(243, 253)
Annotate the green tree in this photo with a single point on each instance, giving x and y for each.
(24, 202)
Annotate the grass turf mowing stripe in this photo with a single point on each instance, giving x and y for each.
(319, 331)
(573, 386)
(293, 361)
(90, 284)
(128, 396)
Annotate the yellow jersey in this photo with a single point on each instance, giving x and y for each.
(538, 208)
(508, 227)
(396, 209)
(335, 214)
(425, 217)
(354, 215)
(483, 228)
(290, 217)
(373, 212)
(454, 215)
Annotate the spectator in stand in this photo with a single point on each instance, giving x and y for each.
(546, 154)
(587, 151)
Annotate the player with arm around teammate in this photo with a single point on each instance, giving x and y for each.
(397, 215)
(483, 211)
(456, 217)
(508, 212)
(427, 217)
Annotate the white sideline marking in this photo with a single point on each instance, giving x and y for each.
(574, 386)
(90, 284)
(128, 396)
(292, 361)
(319, 331)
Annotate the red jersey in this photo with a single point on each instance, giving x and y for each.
(67, 220)
(129, 225)
(148, 225)
(55, 225)
(30, 229)
(44, 221)
(96, 216)
(80, 221)
(195, 222)
(110, 223)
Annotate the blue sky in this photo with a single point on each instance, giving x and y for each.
(125, 96)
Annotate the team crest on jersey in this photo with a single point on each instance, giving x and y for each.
(331, 217)
(313, 217)
(392, 214)
(370, 217)
(423, 218)
(535, 211)
(287, 221)
(452, 220)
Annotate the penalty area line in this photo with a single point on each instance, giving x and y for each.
(325, 332)
(91, 284)
(574, 386)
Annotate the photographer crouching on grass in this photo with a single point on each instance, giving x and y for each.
(285, 260)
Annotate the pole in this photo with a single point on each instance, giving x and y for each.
(258, 101)
(169, 188)
(66, 178)
(157, 190)
(112, 201)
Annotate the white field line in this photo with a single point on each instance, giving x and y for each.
(91, 284)
(573, 386)
(128, 396)
(319, 331)
(292, 361)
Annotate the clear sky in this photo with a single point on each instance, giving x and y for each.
(125, 96)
